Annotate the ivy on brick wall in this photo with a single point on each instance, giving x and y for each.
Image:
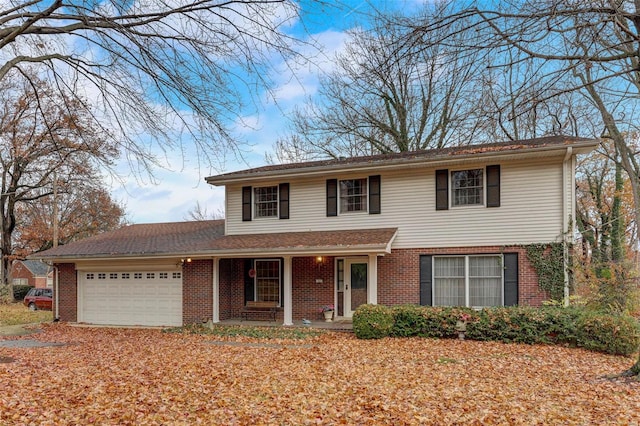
(548, 261)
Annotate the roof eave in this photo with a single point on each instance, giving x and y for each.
(381, 248)
(581, 147)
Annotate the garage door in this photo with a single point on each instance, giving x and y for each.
(131, 298)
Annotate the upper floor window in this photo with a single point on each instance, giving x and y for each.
(472, 187)
(467, 187)
(353, 195)
(265, 201)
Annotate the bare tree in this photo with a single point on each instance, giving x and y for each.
(200, 212)
(158, 72)
(384, 97)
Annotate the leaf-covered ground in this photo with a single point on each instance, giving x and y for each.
(137, 377)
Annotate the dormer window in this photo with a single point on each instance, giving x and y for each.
(266, 201)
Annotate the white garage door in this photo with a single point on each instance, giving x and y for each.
(131, 298)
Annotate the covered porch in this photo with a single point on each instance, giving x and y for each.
(300, 274)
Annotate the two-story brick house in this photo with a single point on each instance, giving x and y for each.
(436, 227)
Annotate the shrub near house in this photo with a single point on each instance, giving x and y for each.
(602, 332)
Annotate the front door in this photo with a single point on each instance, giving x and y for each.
(355, 285)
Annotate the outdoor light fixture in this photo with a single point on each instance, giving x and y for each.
(181, 262)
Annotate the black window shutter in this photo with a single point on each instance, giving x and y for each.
(249, 281)
(374, 194)
(246, 203)
(442, 189)
(332, 197)
(510, 279)
(425, 281)
(493, 186)
(283, 196)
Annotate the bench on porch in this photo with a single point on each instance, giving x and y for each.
(259, 307)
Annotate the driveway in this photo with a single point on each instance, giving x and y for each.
(146, 376)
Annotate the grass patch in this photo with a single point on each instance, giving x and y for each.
(17, 313)
(248, 331)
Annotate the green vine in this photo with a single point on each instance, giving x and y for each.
(548, 261)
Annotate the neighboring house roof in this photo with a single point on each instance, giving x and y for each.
(425, 157)
(36, 267)
(206, 238)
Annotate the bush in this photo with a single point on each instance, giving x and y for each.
(372, 321)
(20, 291)
(614, 334)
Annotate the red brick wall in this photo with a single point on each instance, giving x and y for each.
(308, 295)
(399, 274)
(19, 271)
(231, 288)
(68, 292)
(197, 291)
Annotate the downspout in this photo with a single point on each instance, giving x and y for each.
(565, 222)
(56, 290)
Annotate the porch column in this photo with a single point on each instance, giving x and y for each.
(216, 290)
(288, 298)
(372, 285)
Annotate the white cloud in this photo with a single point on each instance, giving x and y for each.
(170, 200)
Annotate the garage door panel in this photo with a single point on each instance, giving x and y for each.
(132, 298)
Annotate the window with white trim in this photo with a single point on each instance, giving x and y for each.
(473, 281)
(353, 195)
(265, 201)
(467, 187)
(267, 280)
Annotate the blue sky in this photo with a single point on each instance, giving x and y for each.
(181, 184)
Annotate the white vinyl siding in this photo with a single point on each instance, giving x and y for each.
(530, 209)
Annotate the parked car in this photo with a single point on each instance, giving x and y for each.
(39, 298)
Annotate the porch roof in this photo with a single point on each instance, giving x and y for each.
(314, 243)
